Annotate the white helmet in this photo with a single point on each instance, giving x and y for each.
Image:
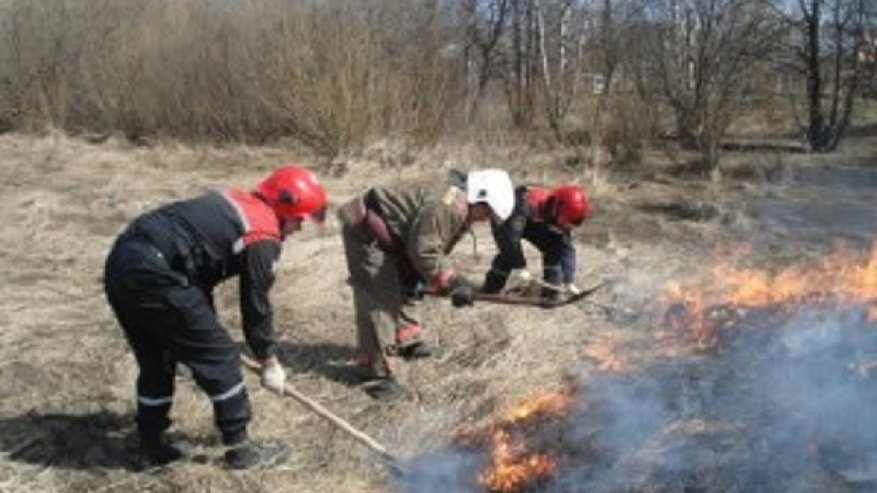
(494, 187)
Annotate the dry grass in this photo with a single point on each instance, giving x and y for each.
(66, 375)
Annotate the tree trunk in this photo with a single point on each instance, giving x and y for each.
(561, 97)
(546, 68)
(816, 128)
(518, 85)
(610, 50)
(847, 20)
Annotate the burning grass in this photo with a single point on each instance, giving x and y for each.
(512, 467)
(512, 441)
(782, 401)
(730, 296)
(606, 353)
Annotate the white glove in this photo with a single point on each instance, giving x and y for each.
(274, 377)
(573, 289)
(524, 276)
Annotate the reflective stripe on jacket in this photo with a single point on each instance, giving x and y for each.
(219, 235)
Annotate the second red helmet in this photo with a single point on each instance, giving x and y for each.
(294, 193)
(571, 205)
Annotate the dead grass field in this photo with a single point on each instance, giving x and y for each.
(66, 376)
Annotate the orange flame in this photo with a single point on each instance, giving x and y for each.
(842, 274)
(691, 315)
(604, 352)
(842, 277)
(512, 468)
(534, 406)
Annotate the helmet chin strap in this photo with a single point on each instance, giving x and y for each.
(290, 226)
(479, 211)
(549, 210)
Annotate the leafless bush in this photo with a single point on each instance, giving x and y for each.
(194, 69)
(699, 58)
(338, 75)
(633, 124)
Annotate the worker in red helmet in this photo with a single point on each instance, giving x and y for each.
(545, 218)
(159, 277)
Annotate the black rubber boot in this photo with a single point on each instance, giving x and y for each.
(494, 281)
(385, 389)
(252, 454)
(552, 275)
(550, 295)
(160, 451)
(417, 350)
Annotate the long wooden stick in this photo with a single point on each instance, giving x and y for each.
(511, 299)
(385, 455)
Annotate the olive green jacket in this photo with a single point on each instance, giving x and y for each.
(428, 222)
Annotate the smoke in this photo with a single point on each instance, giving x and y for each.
(779, 409)
(446, 471)
(769, 411)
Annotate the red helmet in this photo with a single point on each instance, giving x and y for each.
(294, 193)
(571, 205)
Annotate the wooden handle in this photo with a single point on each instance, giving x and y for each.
(389, 459)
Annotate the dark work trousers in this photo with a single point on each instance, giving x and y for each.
(168, 320)
(552, 261)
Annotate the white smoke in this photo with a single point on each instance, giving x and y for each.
(772, 409)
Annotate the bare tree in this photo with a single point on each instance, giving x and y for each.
(486, 23)
(833, 34)
(701, 61)
(609, 47)
(520, 72)
(555, 37)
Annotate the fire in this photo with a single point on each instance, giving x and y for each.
(844, 278)
(687, 313)
(511, 468)
(534, 406)
(842, 274)
(514, 465)
(604, 352)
